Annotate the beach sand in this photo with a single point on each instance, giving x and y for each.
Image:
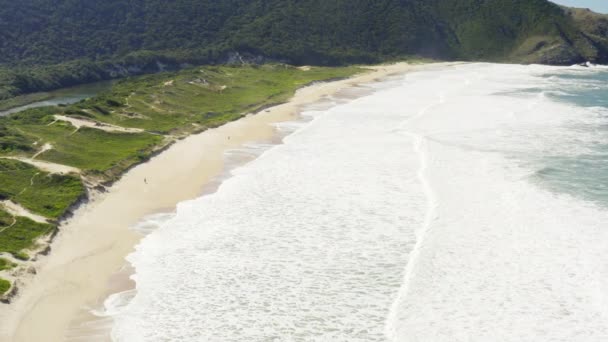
(91, 247)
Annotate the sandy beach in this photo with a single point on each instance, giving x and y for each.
(91, 247)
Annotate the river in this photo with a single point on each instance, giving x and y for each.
(63, 96)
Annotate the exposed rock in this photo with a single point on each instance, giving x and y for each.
(560, 55)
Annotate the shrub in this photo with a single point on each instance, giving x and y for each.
(5, 285)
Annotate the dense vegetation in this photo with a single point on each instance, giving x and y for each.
(198, 98)
(4, 263)
(5, 285)
(47, 194)
(52, 43)
(21, 235)
(127, 124)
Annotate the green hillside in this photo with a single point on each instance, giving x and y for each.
(48, 44)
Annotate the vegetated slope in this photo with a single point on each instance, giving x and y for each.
(46, 44)
(100, 138)
(595, 27)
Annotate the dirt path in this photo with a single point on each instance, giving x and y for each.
(45, 148)
(78, 123)
(9, 226)
(17, 210)
(47, 166)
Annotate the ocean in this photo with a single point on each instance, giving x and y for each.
(467, 203)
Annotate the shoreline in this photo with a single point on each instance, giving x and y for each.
(91, 246)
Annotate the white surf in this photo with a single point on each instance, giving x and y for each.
(407, 215)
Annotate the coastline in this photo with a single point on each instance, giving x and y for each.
(91, 246)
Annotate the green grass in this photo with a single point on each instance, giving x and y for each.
(22, 255)
(46, 194)
(6, 219)
(13, 142)
(6, 264)
(5, 285)
(195, 96)
(89, 148)
(22, 235)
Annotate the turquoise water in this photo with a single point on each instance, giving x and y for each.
(588, 89)
(580, 167)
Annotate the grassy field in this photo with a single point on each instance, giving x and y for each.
(6, 219)
(5, 285)
(164, 106)
(91, 149)
(88, 149)
(21, 235)
(49, 195)
(205, 97)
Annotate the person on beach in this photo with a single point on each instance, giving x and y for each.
(145, 181)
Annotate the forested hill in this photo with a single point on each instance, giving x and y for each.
(50, 43)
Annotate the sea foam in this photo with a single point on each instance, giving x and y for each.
(409, 214)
